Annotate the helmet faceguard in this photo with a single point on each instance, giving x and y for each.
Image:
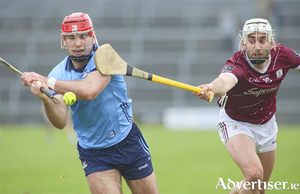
(78, 36)
(263, 43)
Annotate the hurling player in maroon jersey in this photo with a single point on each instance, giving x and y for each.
(247, 87)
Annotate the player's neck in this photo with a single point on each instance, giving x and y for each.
(78, 65)
(260, 66)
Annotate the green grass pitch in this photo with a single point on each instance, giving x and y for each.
(185, 162)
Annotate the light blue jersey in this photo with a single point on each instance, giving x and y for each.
(104, 121)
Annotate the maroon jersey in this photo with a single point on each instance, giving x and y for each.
(253, 98)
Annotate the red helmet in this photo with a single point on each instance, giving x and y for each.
(77, 22)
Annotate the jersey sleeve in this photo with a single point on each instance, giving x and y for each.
(293, 57)
(233, 68)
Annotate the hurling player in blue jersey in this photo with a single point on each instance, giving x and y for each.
(110, 144)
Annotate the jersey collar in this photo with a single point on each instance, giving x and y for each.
(69, 66)
(256, 69)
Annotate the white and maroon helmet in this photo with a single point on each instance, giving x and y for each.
(257, 25)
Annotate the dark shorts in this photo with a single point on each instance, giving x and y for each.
(131, 156)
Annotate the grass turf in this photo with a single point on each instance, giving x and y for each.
(185, 162)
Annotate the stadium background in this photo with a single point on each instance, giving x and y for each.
(180, 40)
(177, 39)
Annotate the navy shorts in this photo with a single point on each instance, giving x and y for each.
(131, 157)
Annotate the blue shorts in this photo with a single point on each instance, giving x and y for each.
(131, 156)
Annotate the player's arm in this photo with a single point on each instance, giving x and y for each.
(57, 114)
(219, 86)
(297, 68)
(87, 89)
(223, 84)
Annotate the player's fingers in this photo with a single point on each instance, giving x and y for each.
(204, 90)
(28, 79)
(25, 79)
(198, 93)
(208, 95)
(35, 86)
(36, 89)
(205, 93)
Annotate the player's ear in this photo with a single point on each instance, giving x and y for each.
(242, 46)
(273, 45)
(94, 37)
(64, 40)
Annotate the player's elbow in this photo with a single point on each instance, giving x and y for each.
(86, 96)
(60, 126)
(221, 92)
(90, 95)
(218, 94)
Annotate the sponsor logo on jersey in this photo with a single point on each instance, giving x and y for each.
(228, 68)
(251, 79)
(267, 80)
(257, 92)
(262, 76)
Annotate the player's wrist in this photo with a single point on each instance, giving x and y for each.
(51, 83)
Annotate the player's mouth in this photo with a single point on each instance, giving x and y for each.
(257, 56)
(79, 52)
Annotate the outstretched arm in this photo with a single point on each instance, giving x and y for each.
(219, 86)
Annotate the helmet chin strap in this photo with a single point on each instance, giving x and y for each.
(258, 61)
(80, 58)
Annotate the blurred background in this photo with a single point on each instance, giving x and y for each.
(188, 41)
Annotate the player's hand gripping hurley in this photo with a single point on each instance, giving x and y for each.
(12, 68)
(108, 62)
